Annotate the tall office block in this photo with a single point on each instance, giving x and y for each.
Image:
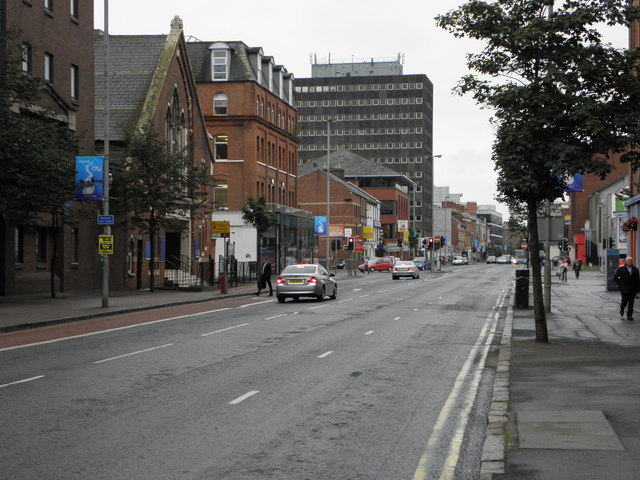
(377, 112)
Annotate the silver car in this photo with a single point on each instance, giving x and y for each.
(306, 280)
(405, 269)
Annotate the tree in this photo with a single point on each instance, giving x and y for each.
(256, 213)
(563, 100)
(158, 184)
(37, 151)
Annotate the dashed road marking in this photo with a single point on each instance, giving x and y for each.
(242, 398)
(224, 330)
(22, 381)
(133, 353)
(325, 354)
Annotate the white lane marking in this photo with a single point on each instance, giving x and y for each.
(22, 381)
(347, 300)
(243, 397)
(325, 354)
(133, 353)
(416, 309)
(319, 306)
(439, 298)
(385, 290)
(397, 318)
(277, 316)
(357, 289)
(224, 330)
(115, 329)
(369, 332)
(434, 443)
(367, 295)
(254, 304)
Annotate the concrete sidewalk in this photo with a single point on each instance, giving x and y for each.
(31, 311)
(569, 409)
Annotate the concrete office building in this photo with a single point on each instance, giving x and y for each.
(377, 112)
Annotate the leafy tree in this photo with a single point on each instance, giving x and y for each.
(256, 213)
(37, 152)
(157, 184)
(563, 100)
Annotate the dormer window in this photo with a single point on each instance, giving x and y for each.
(220, 60)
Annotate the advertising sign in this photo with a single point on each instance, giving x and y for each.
(220, 229)
(89, 178)
(337, 231)
(367, 233)
(105, 244)
(359, 246)
(320, 226)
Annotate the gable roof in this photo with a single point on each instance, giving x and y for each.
(348, 185)
(354, 165)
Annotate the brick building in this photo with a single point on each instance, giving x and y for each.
(351, 211)
(248, 105)
(57, 44)
(151, 82)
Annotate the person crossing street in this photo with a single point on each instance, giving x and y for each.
(265, 278)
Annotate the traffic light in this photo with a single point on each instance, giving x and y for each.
(430, 247)
(563, 244)
(424, 243)
(400, 242)
(350, 243)
(443, 241)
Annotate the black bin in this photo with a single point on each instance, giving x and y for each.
(522, 288)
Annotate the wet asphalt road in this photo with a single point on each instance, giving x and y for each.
(383, 383)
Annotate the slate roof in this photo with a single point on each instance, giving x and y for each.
(348, 185)
(354, 165)
(240, 68)
(132, 62)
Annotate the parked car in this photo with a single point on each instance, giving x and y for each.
(340, 265)
(306, 280)
(491, 259)
(458, 260)
(405, 269)
(382, 264)
(502, 259)
(422, 263)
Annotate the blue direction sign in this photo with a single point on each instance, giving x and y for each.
(105, 219)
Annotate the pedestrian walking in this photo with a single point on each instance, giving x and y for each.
(627, 277)
(563, 270)
(265, 278)
(577, 266)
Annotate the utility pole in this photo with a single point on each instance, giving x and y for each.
(547, 227)
(105, 174)
(328, 192)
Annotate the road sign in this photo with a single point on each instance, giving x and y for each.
(220, 229)
(105, 244)
(524, 246)
(105, 219)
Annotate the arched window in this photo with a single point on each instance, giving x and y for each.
(220, 104)
(175, 124)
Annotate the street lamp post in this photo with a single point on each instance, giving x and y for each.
(328, 192)
(105, 173)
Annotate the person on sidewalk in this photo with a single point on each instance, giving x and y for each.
(577, 266)
(563, 270)
(627, 277)
(265, 278)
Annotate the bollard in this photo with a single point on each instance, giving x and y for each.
(223, 284)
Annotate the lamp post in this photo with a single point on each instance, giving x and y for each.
(105, 174)
(328, 191)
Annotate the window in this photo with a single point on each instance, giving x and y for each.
(220, 104)
(220, 197)
(41, 245)
(221, 147)
(75, 245)
(48, 5)
(26, 57)
(220, 63)
(48, 67)
(19, 245)
(75, 79)
(74, 8)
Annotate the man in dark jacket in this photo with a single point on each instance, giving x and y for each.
(265, 278)
(628, 279)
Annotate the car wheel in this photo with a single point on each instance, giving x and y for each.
(321, 296)
(335, 293)
(296, 298)
(394, 277)
(281, 298)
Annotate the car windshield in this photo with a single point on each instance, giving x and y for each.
(419, 259)
(405, 264)
(293, 269)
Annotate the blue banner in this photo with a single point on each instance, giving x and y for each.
(89, 178)
(320, 227)
(575, 183)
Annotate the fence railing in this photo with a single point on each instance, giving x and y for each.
(185, 272)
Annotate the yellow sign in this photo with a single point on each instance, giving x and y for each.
(367, 233)
(105, 244)
(220, 229)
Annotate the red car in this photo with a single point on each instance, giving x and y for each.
(382, 264)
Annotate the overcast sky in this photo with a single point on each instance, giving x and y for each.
(293, 30)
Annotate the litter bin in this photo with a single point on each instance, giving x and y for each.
(522, 288)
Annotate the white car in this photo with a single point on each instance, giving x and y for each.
(459, 261)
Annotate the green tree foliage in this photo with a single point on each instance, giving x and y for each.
(256, 212)
(158, 184)
(563, 100)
